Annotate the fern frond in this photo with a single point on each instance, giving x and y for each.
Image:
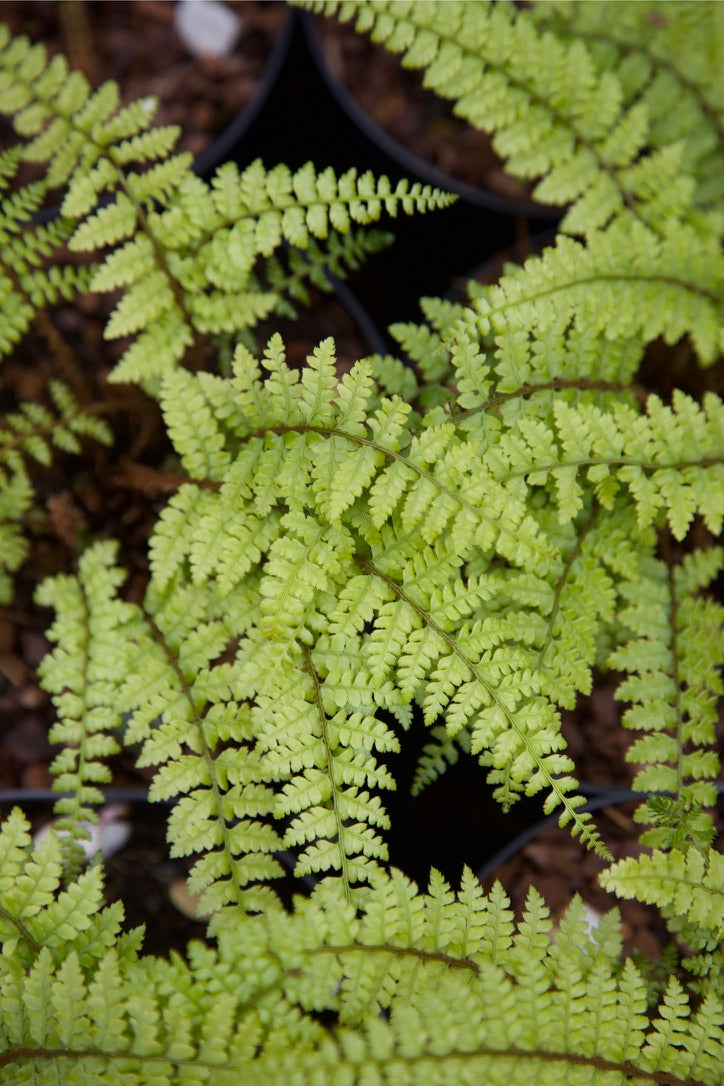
(327, 758)
(79, 674)
(670, 286)
(200, 737)
(74, 129)
(192, 259)
(463, 989)
(668, 459)
(511, 1005)
(672, 655)
(424, 641)
(690, 883)
(37, 915)
(489, 651)
(554, 114)
(219, 273)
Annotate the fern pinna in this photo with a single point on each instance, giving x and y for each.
(466, 534)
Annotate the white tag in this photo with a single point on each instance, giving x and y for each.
(206, 27)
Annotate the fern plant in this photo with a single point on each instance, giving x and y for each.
(466, 535)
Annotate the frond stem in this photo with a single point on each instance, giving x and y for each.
(20, 927)
(160, 640)
(602, 277)
(322, 716)
(401, 952)
(616, 461)
(556, 384)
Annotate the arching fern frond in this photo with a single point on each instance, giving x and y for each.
(72, 129)
(464, 991)
(669, 459)
(327, 497)
(413, 629)
(192, 259)
(80, 673)
(512, 1003)
(554, 114)
(669, 286)
(197, 731)
(38, 916)
(690, 884)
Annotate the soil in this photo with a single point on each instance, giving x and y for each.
(395, 99)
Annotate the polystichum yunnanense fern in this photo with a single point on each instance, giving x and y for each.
(466, 533)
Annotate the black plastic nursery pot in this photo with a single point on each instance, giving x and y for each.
(395, 101)
(224, 144)
(428, 252)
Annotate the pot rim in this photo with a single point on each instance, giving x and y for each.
(407, 160)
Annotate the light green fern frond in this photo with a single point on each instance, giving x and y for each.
(672, 656)
(195, 728)
(38, 916)
(690, 884)
(327, 503)
(77, 1001)
(152, 666)
(471, 997)
(192, 259)
(16, 498)
(668, 286)
(80, 674)
(465, 994)
(554, 114)
(220, 273)
(33, 430)
(669, 459)
(82, 135)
